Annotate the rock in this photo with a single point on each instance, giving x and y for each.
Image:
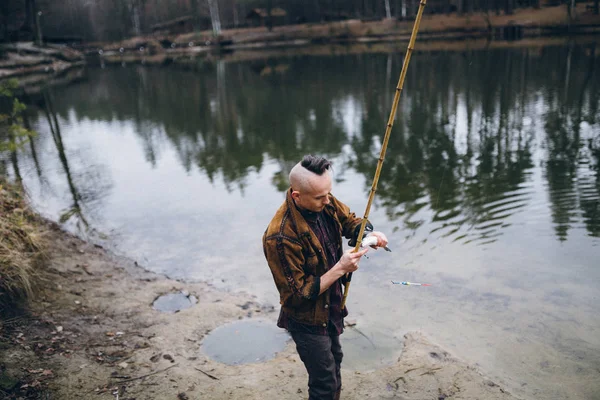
(123, 365)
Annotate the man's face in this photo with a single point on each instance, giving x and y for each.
(316, 195)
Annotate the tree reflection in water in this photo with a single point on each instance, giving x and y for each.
(472, 128)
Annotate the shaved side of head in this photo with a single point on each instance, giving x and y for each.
(300, 178)
(303, 173)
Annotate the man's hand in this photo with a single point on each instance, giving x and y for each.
(349, 261)
(381, 239)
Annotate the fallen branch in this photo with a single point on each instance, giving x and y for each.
(431, 371)
(147, 375)
(207, 374)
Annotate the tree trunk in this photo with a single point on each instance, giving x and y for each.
(32, 20)
(134, 13)
(388, 10)
(214, 17)
(400, 9)
(571, 10)
(37, 26)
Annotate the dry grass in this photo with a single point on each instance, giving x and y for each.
(21, 246)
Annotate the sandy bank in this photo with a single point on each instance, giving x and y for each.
(93, 333)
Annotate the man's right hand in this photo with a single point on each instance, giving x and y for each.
(348, 263)
(350, 259)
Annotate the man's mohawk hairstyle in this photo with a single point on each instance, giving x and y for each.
(316, 164)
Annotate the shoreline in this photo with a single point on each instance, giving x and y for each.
(92, 332)
(524, 23)
(526, 27)
(192, 57)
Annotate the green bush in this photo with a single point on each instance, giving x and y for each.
(12, 133)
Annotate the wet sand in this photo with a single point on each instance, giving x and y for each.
(94, 333)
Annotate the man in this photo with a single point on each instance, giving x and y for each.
(303, 247)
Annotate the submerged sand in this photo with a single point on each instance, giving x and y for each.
(94, 334)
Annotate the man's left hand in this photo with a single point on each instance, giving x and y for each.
(381, 239)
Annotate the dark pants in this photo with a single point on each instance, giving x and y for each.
(322, 357)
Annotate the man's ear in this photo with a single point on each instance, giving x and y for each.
(295, 194)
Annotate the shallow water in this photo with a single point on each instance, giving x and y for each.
(244, 342)
(490, 190)
(174, 302)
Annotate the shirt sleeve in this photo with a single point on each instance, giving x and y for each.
(286, 261)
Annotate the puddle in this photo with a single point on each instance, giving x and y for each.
(369, 349)
(174, 302)
(245, 341)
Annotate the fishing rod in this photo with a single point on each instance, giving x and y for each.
(386, 138)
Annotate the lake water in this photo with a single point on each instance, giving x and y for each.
(490, 190)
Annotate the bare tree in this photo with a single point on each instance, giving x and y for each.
(135, 10)
(214, 17)
(571, 10)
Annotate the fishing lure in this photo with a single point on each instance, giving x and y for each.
(411, 283)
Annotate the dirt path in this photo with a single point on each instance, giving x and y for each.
(94, 334)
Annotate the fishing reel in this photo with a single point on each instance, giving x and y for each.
(368, 230)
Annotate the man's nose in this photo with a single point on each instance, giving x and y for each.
(327, 200)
